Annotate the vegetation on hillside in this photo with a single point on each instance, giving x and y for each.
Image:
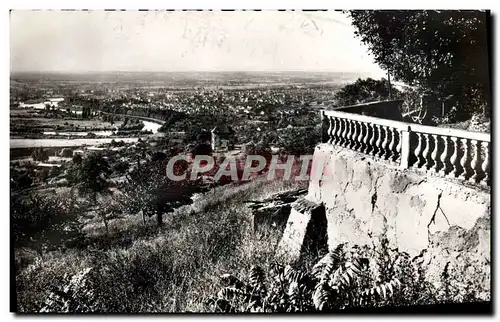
(364, 91)
(444, 51)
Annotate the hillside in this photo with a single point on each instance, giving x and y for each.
(139, 268)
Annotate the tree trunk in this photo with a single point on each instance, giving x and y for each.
(106, 225)
(389, 80)
(159, 217)
(486, 110)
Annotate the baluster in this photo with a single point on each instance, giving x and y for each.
(425, 152)
(454, 157)
(397, 156)
(348, 134)
(386, 144)
(434, 155)
(339, 131)
(373, 147)
(360, 138)
(464, 161)
(354, 135)
(368, 135)
(335, 126)
(392, 145)
(380, 139)
(351, 134)
(444, 157)
(418, 149)
(344, 132)
(331, 130)
(475, 163)
(486, 164)
(374, 140)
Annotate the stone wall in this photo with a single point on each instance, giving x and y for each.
(446, 222)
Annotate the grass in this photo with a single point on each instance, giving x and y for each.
(140, 268)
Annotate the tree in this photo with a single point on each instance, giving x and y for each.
(20, 180)
(364, 91)
(202, 148)
(299, 141)
(39, 154)
(77, 159)
(444, 51)
(149, 190)
(92, 176)
(108, 211)
(44, 221)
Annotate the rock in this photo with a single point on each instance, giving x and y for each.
(273, 211)
(305, 231)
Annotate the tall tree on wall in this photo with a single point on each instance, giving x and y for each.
(445, 51)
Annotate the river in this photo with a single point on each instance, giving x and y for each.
(35, 143)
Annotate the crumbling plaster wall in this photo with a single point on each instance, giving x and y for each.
(446, 222)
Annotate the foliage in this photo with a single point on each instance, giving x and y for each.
(93, 175)
(149, 190)
(40, 154)
(339, 280)
(77, 159)
(20, 179)
(109, 210)
(121, 166)
(75, 295)
(66, 153)
(151, 272)
(44, 222)
(445, 51)
(299, 141)
(364, 91)
(201, 149)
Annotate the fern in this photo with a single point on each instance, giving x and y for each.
(335, 282)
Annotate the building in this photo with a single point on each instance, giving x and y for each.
(222, 138)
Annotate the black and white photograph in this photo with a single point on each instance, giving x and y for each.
(250, 161)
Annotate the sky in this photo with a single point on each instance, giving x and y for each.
(83, 41)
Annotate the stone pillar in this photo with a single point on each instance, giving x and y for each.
(306, 227)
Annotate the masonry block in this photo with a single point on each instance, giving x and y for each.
(305, 231)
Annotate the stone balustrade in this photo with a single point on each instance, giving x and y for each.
(447, 152)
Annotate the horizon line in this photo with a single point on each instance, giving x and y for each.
(188, 71)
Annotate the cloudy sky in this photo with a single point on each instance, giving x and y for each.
(186, 41)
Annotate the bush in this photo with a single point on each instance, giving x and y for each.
(121, 167)
(299, 141)
(338, 281)
(364, 91)
(201, 149)
(44, 222)
(66, 153)
(40, 154)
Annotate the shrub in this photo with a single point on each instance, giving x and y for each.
(121, 166)
(76, 296)
(44, 222)
(66, 153)
(39, 154)
(298, 141)
(338, 281)
(364, 91)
